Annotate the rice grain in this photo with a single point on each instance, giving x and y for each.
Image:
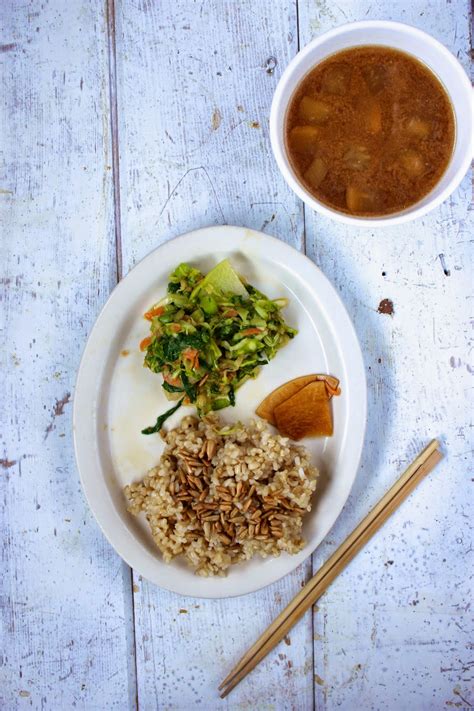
(220, 499)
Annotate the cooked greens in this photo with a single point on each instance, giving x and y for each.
(206, 340)
(161, 420)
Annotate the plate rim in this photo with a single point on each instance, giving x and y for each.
(357, 364)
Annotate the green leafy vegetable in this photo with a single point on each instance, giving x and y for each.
(171, 388)
(161, 420)
(210, 334)
(190, 390)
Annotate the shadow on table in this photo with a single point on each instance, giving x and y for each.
(381, 402)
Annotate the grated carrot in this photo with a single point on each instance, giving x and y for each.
(145, 343)
(172, 381)
(156, 311)
(192, 355)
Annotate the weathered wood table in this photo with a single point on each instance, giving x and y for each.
(125, 124)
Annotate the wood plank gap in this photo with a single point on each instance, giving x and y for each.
(115, 134)
(298, 49)
(312, 613)
(310, 572)
(303, 207)
(297, 25)
(112, 56)
(134, 627)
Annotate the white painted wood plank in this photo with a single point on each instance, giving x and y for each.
(185, 647)
(67, 636)
(394, 631)
(194, 96)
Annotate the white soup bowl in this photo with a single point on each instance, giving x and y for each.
(397, 36)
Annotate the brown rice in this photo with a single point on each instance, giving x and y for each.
(219, 496)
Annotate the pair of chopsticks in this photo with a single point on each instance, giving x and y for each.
(319, 583)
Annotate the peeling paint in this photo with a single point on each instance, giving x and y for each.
(216, 119)
(58, 410)
(6, 463)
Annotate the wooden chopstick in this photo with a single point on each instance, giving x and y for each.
(318, 584)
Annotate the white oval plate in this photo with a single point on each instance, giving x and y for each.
(116, 397)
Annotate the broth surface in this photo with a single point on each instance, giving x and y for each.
(369, 131)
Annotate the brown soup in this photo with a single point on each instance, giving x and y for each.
(369, 131)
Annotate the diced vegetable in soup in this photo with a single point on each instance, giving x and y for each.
(360, 199)
(304, 139)
(418, 128)
(373, 116)
(370, 131)
(412, 163)
(314, 111)
(376, 77)
(357, 157)
(336, 79)
(316, 172)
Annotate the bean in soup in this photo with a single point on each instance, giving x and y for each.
(369, 131)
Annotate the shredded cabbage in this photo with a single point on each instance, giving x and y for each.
(206, 342)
